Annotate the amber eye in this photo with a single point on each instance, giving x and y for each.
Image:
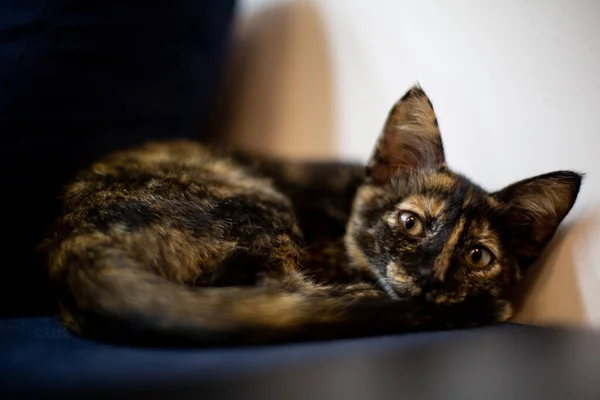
(478, 257)
(411, 223)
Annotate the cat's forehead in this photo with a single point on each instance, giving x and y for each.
(440, 191)
(454, 202)
(442, 194)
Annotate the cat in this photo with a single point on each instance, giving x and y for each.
(174, 243)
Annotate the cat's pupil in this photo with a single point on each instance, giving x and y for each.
(476, 255)
(409, 222)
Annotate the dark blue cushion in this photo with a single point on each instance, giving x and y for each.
(38, 356)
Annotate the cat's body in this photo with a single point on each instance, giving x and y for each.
(171, 243)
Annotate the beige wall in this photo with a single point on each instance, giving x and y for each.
(279, 87)
(515, 85)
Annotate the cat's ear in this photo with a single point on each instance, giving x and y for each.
(410, 139)
(535, 208)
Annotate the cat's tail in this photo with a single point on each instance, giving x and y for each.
(126, 304)
(138, 307)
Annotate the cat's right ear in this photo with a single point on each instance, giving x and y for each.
(410, 139)
(534, 209)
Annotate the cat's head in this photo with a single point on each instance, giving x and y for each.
(424, 230)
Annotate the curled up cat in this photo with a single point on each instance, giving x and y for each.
(175, 243)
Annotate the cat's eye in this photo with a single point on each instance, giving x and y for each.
(411, 223)
(478, 257)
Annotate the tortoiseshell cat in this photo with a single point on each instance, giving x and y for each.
(171, 243)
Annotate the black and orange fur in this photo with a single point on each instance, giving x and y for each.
(172, 243)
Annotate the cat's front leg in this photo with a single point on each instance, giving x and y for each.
(321, 191)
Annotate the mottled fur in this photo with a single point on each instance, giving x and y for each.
(171, 243)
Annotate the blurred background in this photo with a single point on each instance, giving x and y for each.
(516, 87)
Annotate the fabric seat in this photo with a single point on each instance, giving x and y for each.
(39, 356)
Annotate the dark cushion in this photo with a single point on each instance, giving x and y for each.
(38, 356)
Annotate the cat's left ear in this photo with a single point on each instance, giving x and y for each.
(410, 139)
(535, 208)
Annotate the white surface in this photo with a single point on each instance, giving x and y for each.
(515, 84)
